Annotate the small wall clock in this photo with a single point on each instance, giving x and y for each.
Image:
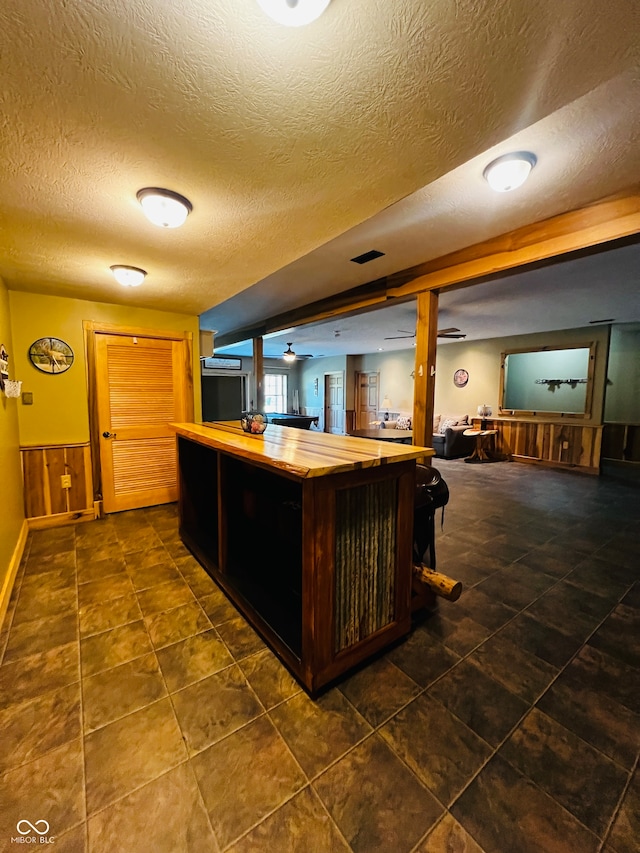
(460, 378)
(51, 355)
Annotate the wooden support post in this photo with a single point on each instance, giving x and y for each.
(424, 380)
(440, 584)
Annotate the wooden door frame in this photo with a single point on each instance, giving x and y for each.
(91, 329)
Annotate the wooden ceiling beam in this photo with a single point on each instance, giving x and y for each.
(601, 222)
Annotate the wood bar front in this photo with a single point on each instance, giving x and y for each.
(309, 534)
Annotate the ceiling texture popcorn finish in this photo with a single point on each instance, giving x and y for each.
(376, 119)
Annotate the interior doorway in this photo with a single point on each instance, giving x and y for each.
(334, 403)
(140, 382)
(224, 398)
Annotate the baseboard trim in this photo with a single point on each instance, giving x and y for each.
(60, 519)
(561, 466)
(14, 564)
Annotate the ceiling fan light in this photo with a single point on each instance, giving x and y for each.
(164, 207)
(289, 354)
(510, 171)
(128, 276)
(293, 13)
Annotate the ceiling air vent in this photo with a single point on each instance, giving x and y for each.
(368, 256)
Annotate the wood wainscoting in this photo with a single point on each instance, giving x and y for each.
(556, 443)
(47, 501)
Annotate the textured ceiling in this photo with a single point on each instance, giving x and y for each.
(285, 139)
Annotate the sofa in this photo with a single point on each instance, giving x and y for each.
(448, 439)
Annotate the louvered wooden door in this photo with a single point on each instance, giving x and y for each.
(141, 388)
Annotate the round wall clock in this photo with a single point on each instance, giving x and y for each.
(460, 378)
(51, 355)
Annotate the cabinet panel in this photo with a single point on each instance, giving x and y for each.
(47, 501)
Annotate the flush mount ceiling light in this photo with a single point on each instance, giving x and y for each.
(289, 354)
(509, 171)
(164, 207)
(293, 13)
(128, 276)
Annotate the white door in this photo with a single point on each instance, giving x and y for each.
(334, 403)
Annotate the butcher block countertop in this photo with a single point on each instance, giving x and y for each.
(300, 453)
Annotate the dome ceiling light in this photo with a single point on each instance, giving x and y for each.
(293, 13)
(128, 276)
(289, 354)
(164, 207)
(509, 171)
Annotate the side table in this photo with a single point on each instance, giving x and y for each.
(479, 452)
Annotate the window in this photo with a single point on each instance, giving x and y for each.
(275, 392)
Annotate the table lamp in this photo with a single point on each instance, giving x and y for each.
(484, 412)
(387, 404)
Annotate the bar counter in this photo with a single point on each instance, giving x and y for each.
(309, 534)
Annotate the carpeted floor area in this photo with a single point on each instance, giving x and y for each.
(139, 711)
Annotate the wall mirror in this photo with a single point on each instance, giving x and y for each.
(548, 381)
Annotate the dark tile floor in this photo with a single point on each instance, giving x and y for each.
(139, 711)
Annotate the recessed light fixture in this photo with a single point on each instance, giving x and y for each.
(509, 171)
(128, 276)
(164, 207)
(289, 354)
(293, 13)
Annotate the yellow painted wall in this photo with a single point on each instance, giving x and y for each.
(59, 414)
(12, 514)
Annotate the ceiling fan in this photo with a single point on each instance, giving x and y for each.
(442, 333)
(290, 355)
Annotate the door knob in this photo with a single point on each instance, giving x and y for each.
(108, 434)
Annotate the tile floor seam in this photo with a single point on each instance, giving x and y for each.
(264, 818)
(555, 800)
(621, 798)
(122, 797)
(416, 847)
(331, 818)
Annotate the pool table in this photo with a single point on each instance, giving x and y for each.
(291, 420)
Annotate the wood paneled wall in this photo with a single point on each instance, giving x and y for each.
(563, 445)
(47, 502)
